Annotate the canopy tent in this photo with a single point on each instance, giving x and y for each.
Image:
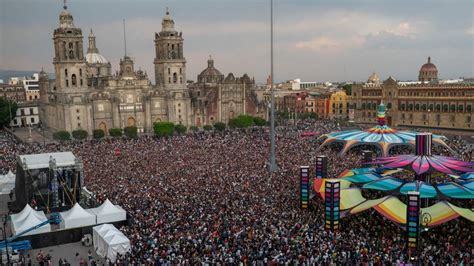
(7, 183)
(380, 136)
(109, 241)
(27, 219)
(108, 213)
(421, 164)
(76, 217)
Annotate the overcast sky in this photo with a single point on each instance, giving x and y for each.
(314, 40)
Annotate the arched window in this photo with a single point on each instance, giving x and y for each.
(181, 80)
(453, 108)
(71, 46)
(81, 82)
(402, 107)
(67, 83)
(73, 79)
(460, 108)
(417, 107)
(65, 72)
(438, 107)
(175, 77)
(389, 105)
(410, 107)
(71, 54)
(423, 107)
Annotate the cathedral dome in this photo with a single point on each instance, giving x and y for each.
(93, 56)
(210, 74)
(428, 72)
(374, 78)
(96, 58)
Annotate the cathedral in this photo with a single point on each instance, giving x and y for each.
(86, 95)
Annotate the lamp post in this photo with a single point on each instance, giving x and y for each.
(272, 165)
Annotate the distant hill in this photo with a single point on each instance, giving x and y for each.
(7, 74)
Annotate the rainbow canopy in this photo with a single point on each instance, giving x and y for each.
(421, 164)
(381, 136)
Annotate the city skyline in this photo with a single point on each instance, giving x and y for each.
(319, 41)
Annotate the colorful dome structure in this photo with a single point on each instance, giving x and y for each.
(380, 136)
(390, 178)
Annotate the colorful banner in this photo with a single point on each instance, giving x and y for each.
(332, 204)
(304, 187)
(321, 166)
(413, 223)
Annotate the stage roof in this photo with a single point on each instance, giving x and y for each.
(38, 161)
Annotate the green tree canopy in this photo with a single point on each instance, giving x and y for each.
(79, 134)
(130, 132)
(98, 133)
(61, 135)
(258, 121)
(5, 107)
(180, 129)
(115, 132)
(241, 121)
(219, 126)
(163, 129)
(208, 127)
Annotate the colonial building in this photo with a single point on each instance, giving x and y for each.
(339, 105)
(86, 95)
(426, 104)
(13, 92)
(215, 98)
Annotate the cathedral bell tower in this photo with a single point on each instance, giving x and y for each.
(170, 71)
(69, 61)
(170, 63)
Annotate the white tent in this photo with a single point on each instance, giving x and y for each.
(27, 219)
(76, 217)
(7, 183)
(109, 241)
(108, 213)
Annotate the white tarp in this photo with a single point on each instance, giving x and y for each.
(37, 161)
(109, 241)
(108, 213)
(7, 183)
(76, 217)
(27, 219)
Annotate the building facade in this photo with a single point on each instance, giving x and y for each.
(86, 95)
(339, 105)
(13, 92)
(215, 98)
(427, 104)
(27, 114)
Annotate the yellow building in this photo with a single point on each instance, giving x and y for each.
(338, 105)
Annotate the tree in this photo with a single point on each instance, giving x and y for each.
(348, 89)
(115, 132)
(219, 126)
(163, 129)
(7, 107)
(194, 128)
(241, 121)
(258, 121)
(79, 134)
(61, 135)
(209, 127)
(98, 133)
(180, 129)
(130, 132)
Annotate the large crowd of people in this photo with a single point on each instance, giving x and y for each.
(208, 197)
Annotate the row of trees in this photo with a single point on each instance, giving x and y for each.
(162, 129)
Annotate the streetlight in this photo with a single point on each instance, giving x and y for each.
(272, 166)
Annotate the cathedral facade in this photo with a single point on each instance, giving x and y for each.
(86, 95)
